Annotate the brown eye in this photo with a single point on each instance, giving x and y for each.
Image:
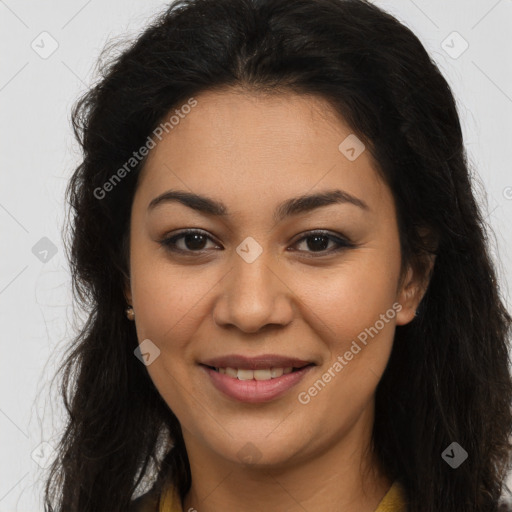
(318, 242)
(187, 241)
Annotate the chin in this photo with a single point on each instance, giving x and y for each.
(260, 453)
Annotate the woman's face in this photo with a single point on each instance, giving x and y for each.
(260, 282)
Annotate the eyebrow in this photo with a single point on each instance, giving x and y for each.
(293, 206)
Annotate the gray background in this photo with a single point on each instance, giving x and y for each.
(38, 154)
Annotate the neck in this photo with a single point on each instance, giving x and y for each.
(343, 475)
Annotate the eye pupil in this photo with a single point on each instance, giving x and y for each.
(316, 245)
(198, 241)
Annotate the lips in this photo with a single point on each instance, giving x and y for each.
(255, 379)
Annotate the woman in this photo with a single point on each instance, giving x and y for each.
(292, 303)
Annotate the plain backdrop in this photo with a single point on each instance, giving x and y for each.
(48, 53)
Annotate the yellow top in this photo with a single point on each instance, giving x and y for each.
(393, 501)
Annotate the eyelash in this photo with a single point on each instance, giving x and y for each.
(170, 242)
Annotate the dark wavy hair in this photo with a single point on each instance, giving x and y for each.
(448, 377)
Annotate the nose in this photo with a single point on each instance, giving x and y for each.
(253, 295)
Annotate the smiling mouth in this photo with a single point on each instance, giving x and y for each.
(260, 374)
(256, 385)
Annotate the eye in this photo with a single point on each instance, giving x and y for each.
(195, 241)
(318, 242)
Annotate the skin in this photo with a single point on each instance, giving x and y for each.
(252, 152)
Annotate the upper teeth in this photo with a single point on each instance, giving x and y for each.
(263, 374)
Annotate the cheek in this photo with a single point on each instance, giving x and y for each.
(169, 299)
(172, 303)
(352, 307)
(352, 296)
(358, 342)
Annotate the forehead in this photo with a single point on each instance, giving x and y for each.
(253, 145)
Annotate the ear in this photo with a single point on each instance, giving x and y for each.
(412, 291)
